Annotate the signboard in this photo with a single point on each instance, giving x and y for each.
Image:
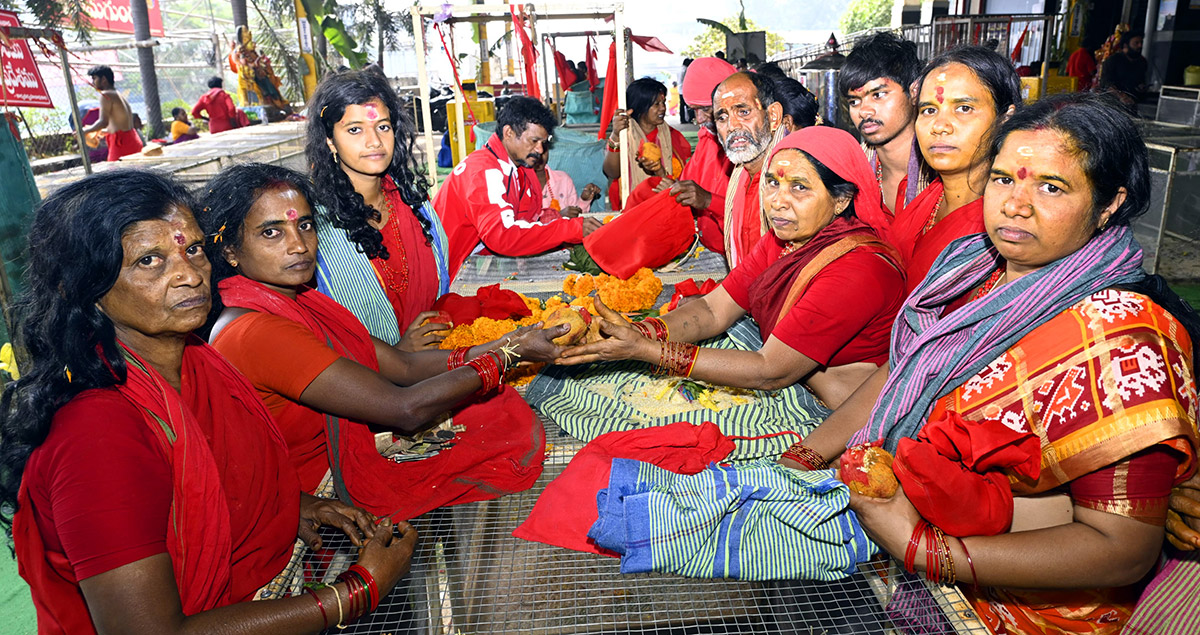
(22, 85)
(116, 16)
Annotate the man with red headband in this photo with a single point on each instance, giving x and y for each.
(705, 178)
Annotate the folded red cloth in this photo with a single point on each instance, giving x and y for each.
(567, 507)
(648, 234)
(490, 301)
(956, 473)
(688, 288)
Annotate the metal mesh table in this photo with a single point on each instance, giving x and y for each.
(470, 576)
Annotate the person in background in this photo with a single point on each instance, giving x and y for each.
(488, 198)
(116, 122)
(673, 99)
(216, 107)
(644, 123)
(505, 89)
(879, 84)
(559, 196)
(1082, 65)
(1124, 72)
(181, 128)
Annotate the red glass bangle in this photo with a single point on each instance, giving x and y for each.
(458, 357)
(372, 587)
(914, 542)
(320, 605)
(806, 456)
(974, 578)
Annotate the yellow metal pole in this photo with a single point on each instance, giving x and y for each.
(304, 31)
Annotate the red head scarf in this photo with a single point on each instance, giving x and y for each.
(837, 150)
(701, 79)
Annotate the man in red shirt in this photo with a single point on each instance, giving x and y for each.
(222, 114)
(492, 197)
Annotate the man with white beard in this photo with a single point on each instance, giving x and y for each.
(749, 120)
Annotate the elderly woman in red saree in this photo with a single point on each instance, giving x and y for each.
(822, 286)
(152, 489)
(1067, 373)
(963, 93)
(355, 411)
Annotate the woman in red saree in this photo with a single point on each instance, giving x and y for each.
(645, 126)
(1061, 361)
(354, 410)
(820, 255)
(963, 93)
(152, 488)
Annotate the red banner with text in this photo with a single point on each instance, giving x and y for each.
(116, 16)
(20, 81)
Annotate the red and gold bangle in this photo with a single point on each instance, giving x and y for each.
(372, 587)
(458, 357)
(320, 605)
(806, 456)
(490, 367)
(661, 332)
(951, 572)
(676, 358)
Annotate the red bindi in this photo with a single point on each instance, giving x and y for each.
(1022, 173)
(179, 239)
(292, 215)
(941, 94)
(372, 112)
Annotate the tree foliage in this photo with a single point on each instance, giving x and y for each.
(712, 40)
(866, 14)
(51, 13)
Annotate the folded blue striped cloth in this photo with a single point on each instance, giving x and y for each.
(750, 521)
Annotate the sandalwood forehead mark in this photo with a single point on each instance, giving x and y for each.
(1025, 151)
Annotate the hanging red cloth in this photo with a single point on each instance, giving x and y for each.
(563, 67)
(528, 55)
(610, 92)
(592, 79)
(650, 43)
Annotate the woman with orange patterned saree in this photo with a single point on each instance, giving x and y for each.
(1060, 376)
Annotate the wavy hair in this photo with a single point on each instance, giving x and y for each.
(75, 256)
(344, 207)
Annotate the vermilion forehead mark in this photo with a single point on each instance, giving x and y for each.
(291, 214)
(941, 94)
(1022, 173)
(179, 239)
(372, 112)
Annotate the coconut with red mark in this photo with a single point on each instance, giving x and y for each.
(867, 470)
(576, 316)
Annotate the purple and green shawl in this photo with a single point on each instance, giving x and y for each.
(932, 355)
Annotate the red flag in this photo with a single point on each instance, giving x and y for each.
(1016, 52)
(592, 78)
(528, 55)
(610, 92)
(650, 43)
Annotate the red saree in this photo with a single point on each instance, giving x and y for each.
(235, 506)
(919, 248)
(1108, 379)
(409, 275)
(499, 450)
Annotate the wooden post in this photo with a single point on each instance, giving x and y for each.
(622, 64)
(423, 95)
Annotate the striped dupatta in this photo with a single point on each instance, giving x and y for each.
(932, 355)
(345, 274)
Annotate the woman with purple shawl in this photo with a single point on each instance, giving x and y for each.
(1069, 355)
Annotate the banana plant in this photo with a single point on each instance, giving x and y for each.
(322, 14)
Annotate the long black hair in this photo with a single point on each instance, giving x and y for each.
(75, 257)
(226, 201)
(345, 208)
(640, 95)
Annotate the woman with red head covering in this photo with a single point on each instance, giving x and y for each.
(822, 286)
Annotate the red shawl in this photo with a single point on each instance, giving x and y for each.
(499, 452)
(769, 291)
(917, 250)
(230, 420)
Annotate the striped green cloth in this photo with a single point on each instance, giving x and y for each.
(578, 399)
(751, 521)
